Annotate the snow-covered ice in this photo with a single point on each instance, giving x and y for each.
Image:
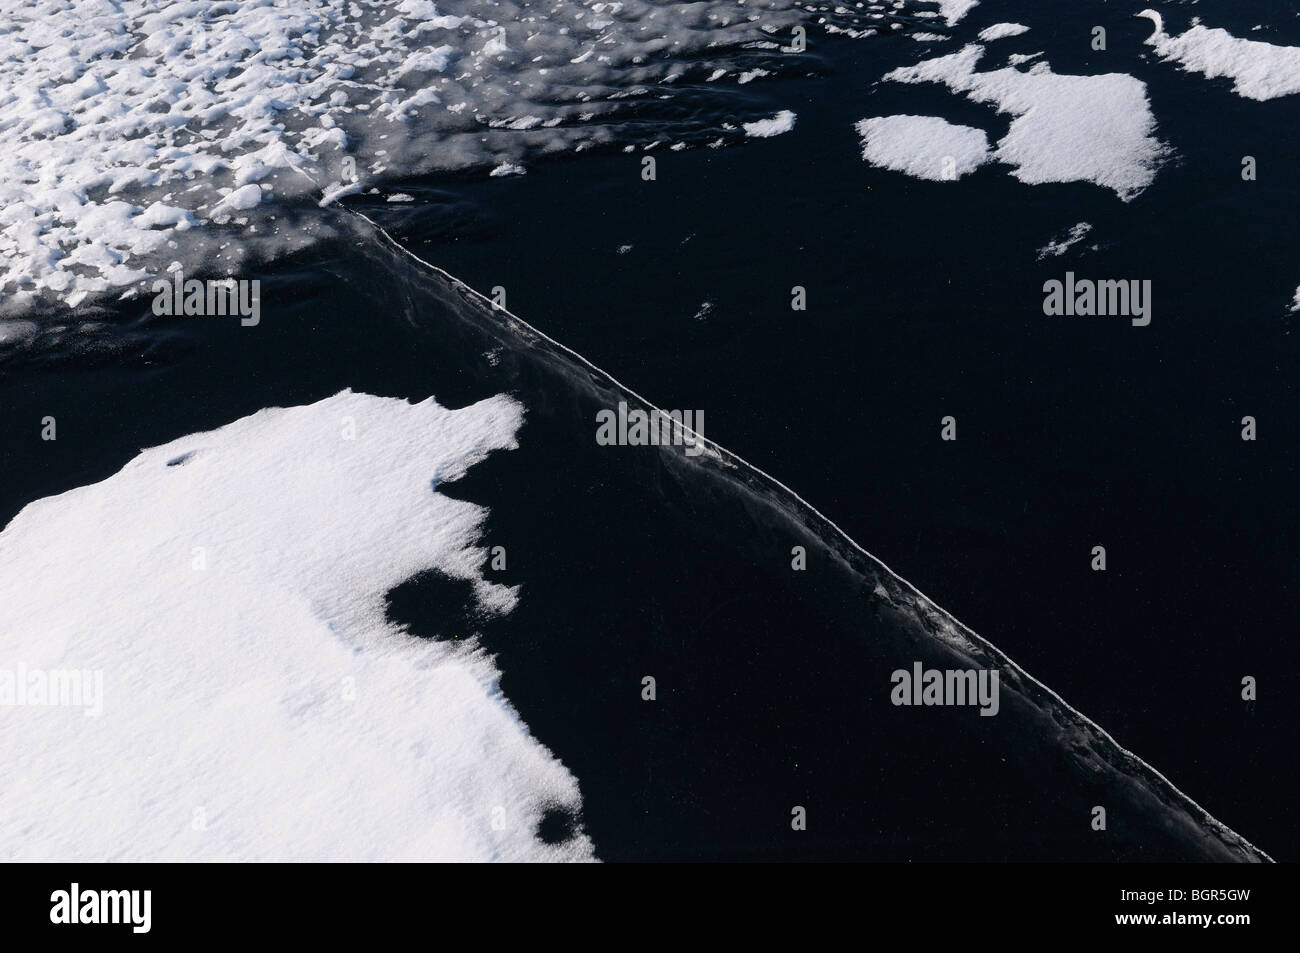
(1258, 70)
(782, 122)
(132, 126)
(999, 31)
(257, 702)
(953, 11)
(1066, 128)
(925, 147)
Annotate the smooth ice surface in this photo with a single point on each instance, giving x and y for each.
(1258, 70)
(1066, 128)
(926, 147)
(257, 703)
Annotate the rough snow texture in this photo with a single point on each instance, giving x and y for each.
(925, 147)
(1002, 30)
(952, 11)
(1258, 70)
(780, 123)
(133, 128)
(261, 706)
(1066, 128)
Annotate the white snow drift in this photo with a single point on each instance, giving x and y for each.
(777, 125)
(1258, 70)
(1000, 31)
(1066, 128)
(925, 147)
(953, 11)
(257, 704)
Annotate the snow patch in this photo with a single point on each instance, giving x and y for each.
(1259, 70)
(925, 147)
(953, 11)
(1066, 128)
(1001, 31)
(1059, 246)
(782, 122)
(251, 677)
